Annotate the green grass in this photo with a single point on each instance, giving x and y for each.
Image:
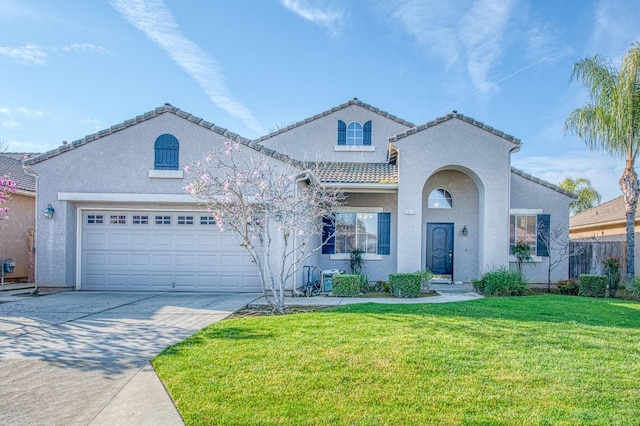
(546, 360)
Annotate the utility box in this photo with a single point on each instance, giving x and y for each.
(327, 278)
(8, 265)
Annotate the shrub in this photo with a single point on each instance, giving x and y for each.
(612, 272)
(346, 285)
(381, 286)
(501, 282)
(569, 286)
(425, 278)
(592, 285)
(364, 283)
(405, 285)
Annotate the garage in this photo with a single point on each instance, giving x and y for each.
(161, 251)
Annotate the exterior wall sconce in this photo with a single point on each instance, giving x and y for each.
(278, 216)
(49, 211)
(465, 231)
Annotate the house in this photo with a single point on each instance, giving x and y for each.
(606, 222)
(441, 195)
(17, 234)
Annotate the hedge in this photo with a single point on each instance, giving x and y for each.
(405, 284)
(346, 285)
(592, 285)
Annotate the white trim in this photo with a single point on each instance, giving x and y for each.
(344, 209)
(354, 148)
(525, 211)
(126, 198)
(166, 174)
(534, 259)
(79, 225)
(365, 187)
(346, 256)
(25, 193)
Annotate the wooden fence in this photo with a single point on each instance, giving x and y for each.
(594, 252)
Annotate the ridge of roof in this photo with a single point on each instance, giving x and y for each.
(543, 183)
(450, 116)
(12, 166)
(354, 101)
(166, 108)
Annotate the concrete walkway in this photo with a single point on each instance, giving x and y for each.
(82, 358)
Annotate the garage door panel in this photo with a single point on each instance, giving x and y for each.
(161, 251)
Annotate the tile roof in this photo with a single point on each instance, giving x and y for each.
(611, 211)
(356, 172)
(166, 108)
(451, 116)
(349, 103)
(543, 183)
(10, 163)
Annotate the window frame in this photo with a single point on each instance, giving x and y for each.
(440, 195)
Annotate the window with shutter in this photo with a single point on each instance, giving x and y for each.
(342, 133)
(166, 152)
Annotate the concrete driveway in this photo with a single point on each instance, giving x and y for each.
(81, 358)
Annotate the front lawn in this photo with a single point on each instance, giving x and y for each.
(524, 360)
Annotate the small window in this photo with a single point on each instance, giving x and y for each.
(163, 220)
(118, 219)
(93, 219)
(167, 150)
(185, 220)
(207, 220)
(140, 220)
(440, 199)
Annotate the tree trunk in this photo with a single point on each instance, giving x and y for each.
(629, 186)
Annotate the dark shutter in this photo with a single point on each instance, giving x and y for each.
(328, 235)
(166, 152)
(543, 228)
(366, 135)
(342, 133)
(384, 233)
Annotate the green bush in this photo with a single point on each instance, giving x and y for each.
(569, 286)
(501, 282)
(612, 272)
(592, 285)
(405, 285)
(425, 279)
(346, 285)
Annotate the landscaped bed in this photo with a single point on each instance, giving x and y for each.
(527, 360)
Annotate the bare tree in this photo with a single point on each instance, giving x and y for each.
(559, 247)
(273, 207)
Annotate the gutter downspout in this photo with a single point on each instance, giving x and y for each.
(304, 177)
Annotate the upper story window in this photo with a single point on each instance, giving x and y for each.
(354, 134)
(440, 199)
(167, 149)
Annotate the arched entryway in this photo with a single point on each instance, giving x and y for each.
(451, 217)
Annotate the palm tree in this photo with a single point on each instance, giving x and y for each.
(588, 197)
(611, 122)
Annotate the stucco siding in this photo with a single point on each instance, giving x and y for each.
(380, 267)
(528, 195)
(317, 139)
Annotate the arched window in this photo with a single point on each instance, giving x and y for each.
(167, 149)
(354, 133)
(440, 199)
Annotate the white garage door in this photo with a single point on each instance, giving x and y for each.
(180, 251)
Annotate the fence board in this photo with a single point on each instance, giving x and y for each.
(594, 252)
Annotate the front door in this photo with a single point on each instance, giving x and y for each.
(440, 248)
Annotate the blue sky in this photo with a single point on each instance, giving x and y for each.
(70, 68)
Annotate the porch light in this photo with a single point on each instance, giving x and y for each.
(49, 211)
(465, 231)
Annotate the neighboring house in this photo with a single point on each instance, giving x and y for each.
(17, 234)
(441, 195)
(605, 222)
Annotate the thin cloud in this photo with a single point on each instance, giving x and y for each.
(86, 48)
(329, 18)
(615, 28)
(154, 19)
(25, 55)
(21, 111)
(472, 34)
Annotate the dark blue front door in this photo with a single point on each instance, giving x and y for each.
(440, 248)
